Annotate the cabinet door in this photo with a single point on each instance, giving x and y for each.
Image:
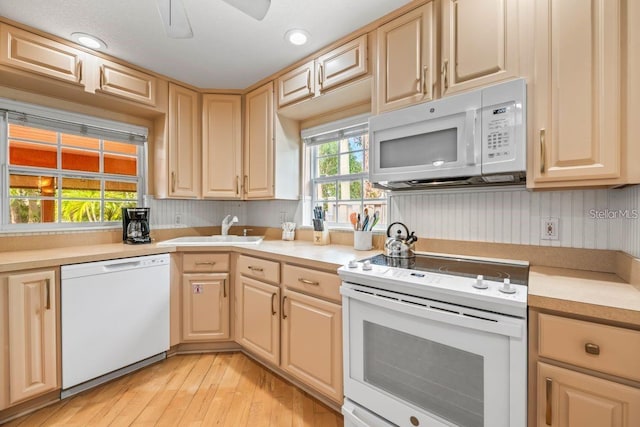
(571, 399)
(343, 63)
(312, 342)
(258, 156)
(205, 307)
(21, 49)
(577, 91)
(260, 322)
(406, 59)
(479, 43)
(32, 335)
(184, 153)
(297, 84)
(125, 82)
(221, 146)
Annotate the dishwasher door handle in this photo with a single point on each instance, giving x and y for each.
(122, 266)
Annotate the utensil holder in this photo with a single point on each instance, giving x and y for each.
(288, 235)
(362, 240)
(321, 237)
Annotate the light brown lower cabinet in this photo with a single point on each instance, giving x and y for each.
(29, 363)
(572, 399)
(205, 307)
(312, 342)
(260, 319)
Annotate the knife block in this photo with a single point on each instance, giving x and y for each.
(321, 237)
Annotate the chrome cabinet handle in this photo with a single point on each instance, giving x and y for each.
(284, 301)
(549, 390)
(445, 66)
(308, 282)
(48, 297)
(258, 269)
(273, 310)
(592, 348)
(205, 263)
(543, 154)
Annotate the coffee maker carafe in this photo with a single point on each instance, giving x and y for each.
(135, 225)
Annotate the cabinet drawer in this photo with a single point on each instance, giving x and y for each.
(126, 82)
(259, 268)
(313, 282)
(590, 345)
(205, 262)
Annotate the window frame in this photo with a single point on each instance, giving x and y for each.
(313, 179)
(59, 174)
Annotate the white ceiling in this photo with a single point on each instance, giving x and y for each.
(229, 49)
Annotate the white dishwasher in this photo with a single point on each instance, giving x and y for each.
(115, 318)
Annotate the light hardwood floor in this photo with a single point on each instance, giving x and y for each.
(226, 389)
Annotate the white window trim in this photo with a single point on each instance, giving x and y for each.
(64, 116)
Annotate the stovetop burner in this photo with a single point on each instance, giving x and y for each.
(518, 274)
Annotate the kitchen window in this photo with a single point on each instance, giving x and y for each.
(337, 165)
(63, 170)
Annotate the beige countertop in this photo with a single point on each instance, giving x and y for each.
(586, 293)
(598, 295)
(328, 257)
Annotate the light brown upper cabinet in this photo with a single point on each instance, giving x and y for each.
(479, 43)
(325, 72)
(221, 146)
(125, 82)
(271, 149)
(579, 94)
(183, 142)
(28, 313)
(30, 52)
(406, 59)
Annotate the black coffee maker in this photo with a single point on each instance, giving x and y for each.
(135, 225)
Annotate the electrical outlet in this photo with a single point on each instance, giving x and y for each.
(550, 229)
(177, 220)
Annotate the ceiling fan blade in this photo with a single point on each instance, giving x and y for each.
(175, 20)
(255, 8)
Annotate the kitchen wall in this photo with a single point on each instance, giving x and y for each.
(591, 219)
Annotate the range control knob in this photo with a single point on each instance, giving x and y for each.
(480, 283)
(366, 265)
(507, 288)
(353, 263)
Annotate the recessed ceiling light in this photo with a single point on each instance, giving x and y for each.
(296, 37)
(87, 40)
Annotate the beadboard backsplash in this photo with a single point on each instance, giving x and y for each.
(590, 219)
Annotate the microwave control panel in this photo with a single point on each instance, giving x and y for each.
(498, 133)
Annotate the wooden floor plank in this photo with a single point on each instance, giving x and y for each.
(227, 389)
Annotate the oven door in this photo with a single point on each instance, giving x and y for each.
(419, 362)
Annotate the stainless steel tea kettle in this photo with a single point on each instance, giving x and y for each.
(399, 243)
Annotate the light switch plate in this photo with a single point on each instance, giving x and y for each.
(550, 228)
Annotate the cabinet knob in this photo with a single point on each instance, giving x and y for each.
(592, 348)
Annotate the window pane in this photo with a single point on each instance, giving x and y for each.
(352, 163)
(350, 190)
(80, 160)
(80, 188)
(328, 148)
(80, 141)
(356, 143)
(30, 154)
(327, 166)
(345, 209)
(326, 191)
(120, 165)
(31, 211)
(113, 209)
(119, 147)
(370, 192)
(33, 134)
(80, 210)
(120, 190)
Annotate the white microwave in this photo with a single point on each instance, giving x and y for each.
(475, 138)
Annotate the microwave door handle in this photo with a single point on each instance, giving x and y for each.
(473, 152)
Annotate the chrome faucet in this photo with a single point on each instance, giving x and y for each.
(226, 224)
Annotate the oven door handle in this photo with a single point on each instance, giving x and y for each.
(486, 322)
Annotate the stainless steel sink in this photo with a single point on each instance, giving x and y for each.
(217, 240)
